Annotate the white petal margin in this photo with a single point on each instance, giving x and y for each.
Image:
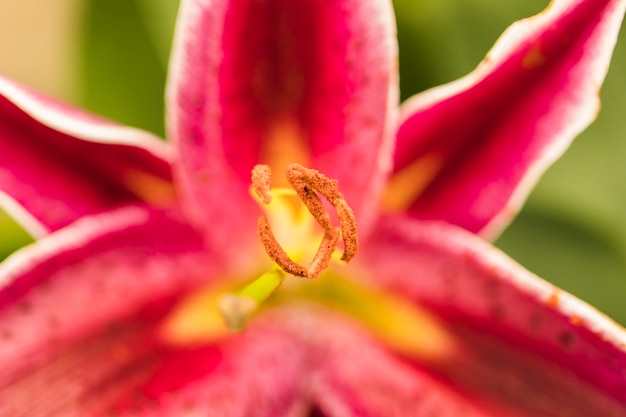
(437, 248)
(578, 116)
(16, 211)
(81, 233)
(80, 124)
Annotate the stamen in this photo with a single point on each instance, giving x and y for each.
(262, 182)
(237, 308)
(307, 183)
(324, 253)
(348, 229)
(276, 252)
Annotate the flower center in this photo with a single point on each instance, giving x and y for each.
(290, 218)
(307, 184)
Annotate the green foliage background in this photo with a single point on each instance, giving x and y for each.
(572, 230)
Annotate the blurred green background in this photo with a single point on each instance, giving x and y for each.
(113, 59)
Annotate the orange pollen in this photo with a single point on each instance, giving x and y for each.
(308, 183)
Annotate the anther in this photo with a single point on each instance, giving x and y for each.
(276, 252)
(308, 183)
(262, 182)
(324, 253)
(348, 227)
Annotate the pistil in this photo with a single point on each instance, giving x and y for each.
(237, 308)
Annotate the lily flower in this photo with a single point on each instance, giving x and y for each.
(203, 276)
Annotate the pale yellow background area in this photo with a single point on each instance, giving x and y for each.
(38, 44)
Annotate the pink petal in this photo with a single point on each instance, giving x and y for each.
(79, 314)
(522, 343)
(256, 373)
(58, 164)
(89, 276)
(351, 374)
(131, 374)
(484, 140)
(279, 82)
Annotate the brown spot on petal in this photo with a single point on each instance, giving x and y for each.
(567, 338)
(315, 412)
(575, 320)
(534, 58)
(553, 300)
(536, 320)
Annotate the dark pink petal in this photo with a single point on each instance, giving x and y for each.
(125, 372)
(80, 313)
(482, 141)
(58, 164)
(256, 373)
(522, 344)
(279, 82)
(351, 374)
(89, 276)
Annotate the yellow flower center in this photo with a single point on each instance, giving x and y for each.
(298, 219)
